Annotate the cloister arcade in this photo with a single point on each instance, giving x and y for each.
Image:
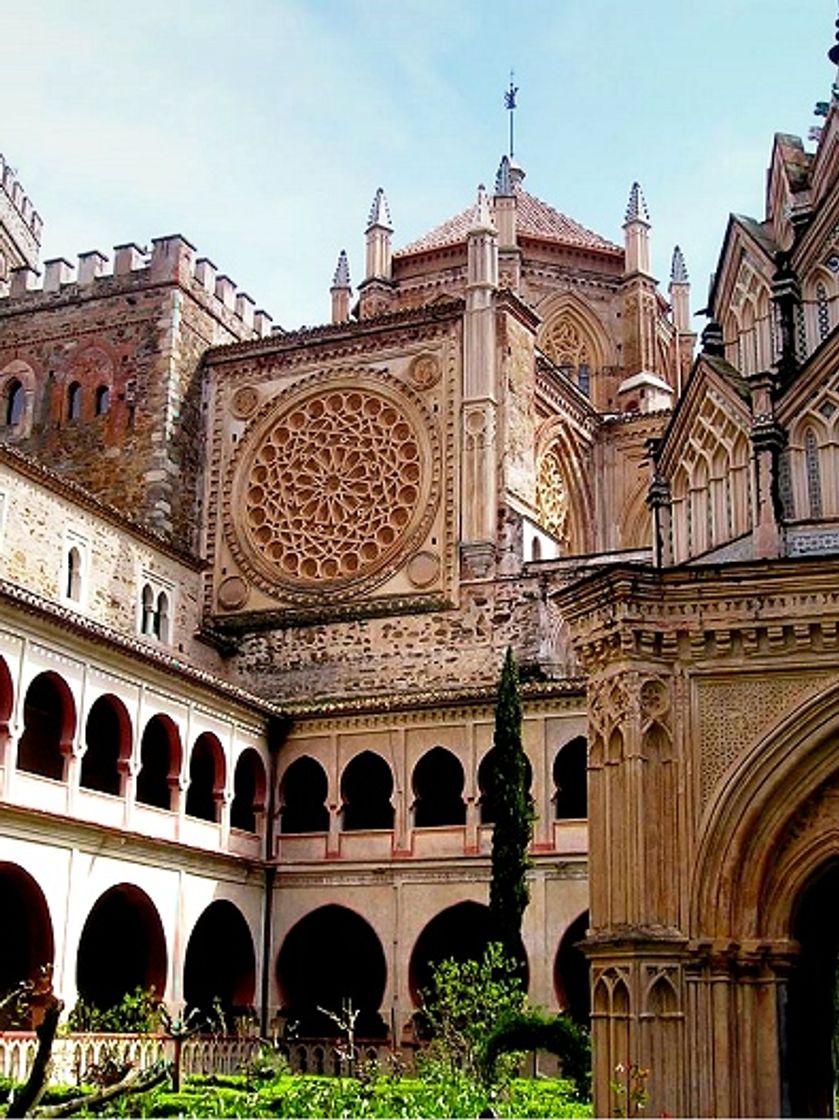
(96, 748)
(435, 797)
(99, 750)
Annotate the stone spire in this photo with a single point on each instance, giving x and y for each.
(504, 206)
(482, 248)
(341, 290)
(379, 212)
(376, 290)
(379, 230)
(503, 179)
(678, 269)
(636, 208)
(636, 227)
(680, 291)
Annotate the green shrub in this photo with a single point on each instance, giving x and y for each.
(136, 1013)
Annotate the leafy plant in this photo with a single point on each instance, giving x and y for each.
(138, 1012)
(533, 1030)
(465, 1003)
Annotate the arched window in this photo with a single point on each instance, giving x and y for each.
(248, 791)
(74, 400)
(102, 400)
(570, 779)
(15, 400)
(366, 788)
(814, 478)
(160, 763)
(108, 742)
(161, 629)
(148, 607)
(49, 722)
(487, 782)
(303, 796)
(74, 575)
(438, 790)
(206, 778)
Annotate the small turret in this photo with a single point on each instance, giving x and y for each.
(376, 289)
(482, 248)
(379, 231)
(680, 291)
(636, 229)
(341, 290)
(504, 204)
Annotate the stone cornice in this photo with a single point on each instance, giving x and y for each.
(70, 621)
(25, 822)
(441, 700)
(745, 608)
(332, 335)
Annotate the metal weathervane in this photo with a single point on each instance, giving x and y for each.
(510, 106)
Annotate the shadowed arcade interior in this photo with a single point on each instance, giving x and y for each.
(122, 948)
(220, 966)
(461, 932)
(26, 937)
(809, 1020)
(330, 957)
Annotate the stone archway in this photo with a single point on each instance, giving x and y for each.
(332, 956)
(460, 932)
(220, 965)
(808, 1023)
(27, 945)
(122, 947)
(762, 912)
(572, 979)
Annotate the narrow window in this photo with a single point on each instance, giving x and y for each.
(74, 575)
(585, 379)
(15, 400)
(161, 628)
(74, 401)
(149, 623)
(103, 400)
(814, 478)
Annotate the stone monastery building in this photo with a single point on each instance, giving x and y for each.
(256, 586)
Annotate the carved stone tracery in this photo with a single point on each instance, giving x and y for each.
(332, 485)
(552, 494)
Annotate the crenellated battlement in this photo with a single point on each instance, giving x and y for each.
(170, 259)
(19, 200)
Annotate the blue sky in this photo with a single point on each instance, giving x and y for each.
(261, 130)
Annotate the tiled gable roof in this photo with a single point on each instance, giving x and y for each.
(534, 218)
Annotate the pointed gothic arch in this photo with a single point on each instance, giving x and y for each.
(564, 493)
(636, 529)
(571, 329)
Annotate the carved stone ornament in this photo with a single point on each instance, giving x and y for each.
(233, 593)
(244, 402)
(423, 569)
(334, 483)
(424, 371)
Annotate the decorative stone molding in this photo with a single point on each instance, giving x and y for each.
(734, 713)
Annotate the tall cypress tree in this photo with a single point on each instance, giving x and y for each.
(513, 807)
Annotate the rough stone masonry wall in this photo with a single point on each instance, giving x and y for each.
(145, 340)
(459, 648)
(37, 528)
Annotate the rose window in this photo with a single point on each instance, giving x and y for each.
(334, 487)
